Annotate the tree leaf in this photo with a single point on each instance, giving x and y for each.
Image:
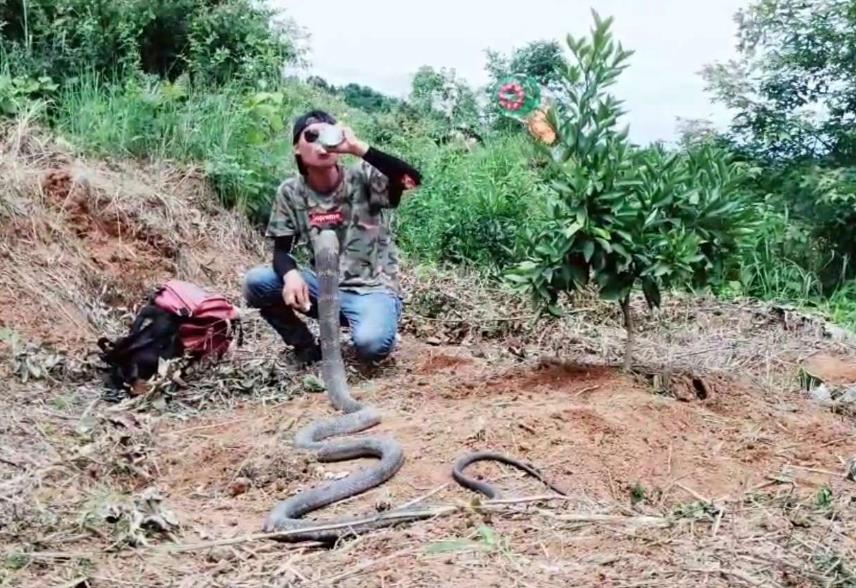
(619, 248)
(615, 288)
(660, 269)
(572, 229)
(588, 250)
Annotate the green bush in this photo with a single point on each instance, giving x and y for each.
(215, 41)
(623, 217)
(841, 305)
(17, 92)
(776, 265)
(473, 208)
(241, 137)
(822, 200)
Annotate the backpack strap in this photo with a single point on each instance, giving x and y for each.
(240, 328)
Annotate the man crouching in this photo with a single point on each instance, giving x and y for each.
(362, 195)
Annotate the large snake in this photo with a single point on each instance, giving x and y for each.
(286, 516)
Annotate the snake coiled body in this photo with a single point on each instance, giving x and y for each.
(286, 516)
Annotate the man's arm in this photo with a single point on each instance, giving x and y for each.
(295, 292)
(283, 262)
(397, 170)
(283, 228)
(402, 176)
(387, 175)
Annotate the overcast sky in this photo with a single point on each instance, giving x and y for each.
(381, 43)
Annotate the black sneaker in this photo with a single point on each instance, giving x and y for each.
(308, 354)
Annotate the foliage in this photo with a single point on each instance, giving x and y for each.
(366, 98)
(473, 208)
(821, 199)
(794, 94)
(773, 265)
(215, 41)
(238, 136)
(16, 92)
(321, 84)
(440, 94)
(541, 60)
(199, 82)
(625, 217)
(841, 305)
(793, 87)
(696, 132)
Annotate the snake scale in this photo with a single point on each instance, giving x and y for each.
(286, 516)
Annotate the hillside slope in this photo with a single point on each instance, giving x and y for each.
(84, 239)
(711, 468)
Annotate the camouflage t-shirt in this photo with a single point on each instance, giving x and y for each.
(368, 260)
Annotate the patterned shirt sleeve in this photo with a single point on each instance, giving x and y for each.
(283, 222)
(378, 186)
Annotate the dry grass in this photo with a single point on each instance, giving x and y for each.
(794, 529)
(84, 240)
(84, 486)
(764, 342)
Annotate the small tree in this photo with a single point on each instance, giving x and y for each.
(620, 215)
(540, 60)
(441, 94)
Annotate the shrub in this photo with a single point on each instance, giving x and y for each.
(625, 217)
(474, 207)
(215, 41)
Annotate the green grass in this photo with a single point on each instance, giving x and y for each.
(473, 208)
(841, 305)
(240, 137)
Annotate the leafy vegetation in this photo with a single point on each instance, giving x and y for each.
(474, 206)
(623, 216)
(794, 95)
(762, 210)
(441, 96)
(211, 40)
(239, 137)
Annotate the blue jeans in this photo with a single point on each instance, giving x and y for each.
(372, 317)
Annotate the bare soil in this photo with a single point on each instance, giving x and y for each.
(595, 432)
(710, 468)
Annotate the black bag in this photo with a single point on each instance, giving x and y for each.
(154, 334)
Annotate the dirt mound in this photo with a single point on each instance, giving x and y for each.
(710, 467)
(617, 449)
(840, 371)
(80, 240)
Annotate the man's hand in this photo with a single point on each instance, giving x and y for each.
(295, 292)
(351, 145)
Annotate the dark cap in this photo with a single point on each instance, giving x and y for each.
(303, 121)
(310, 118)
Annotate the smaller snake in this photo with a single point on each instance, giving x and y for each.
(486, 489)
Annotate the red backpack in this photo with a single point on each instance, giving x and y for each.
(179, 318)
(208, 321)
